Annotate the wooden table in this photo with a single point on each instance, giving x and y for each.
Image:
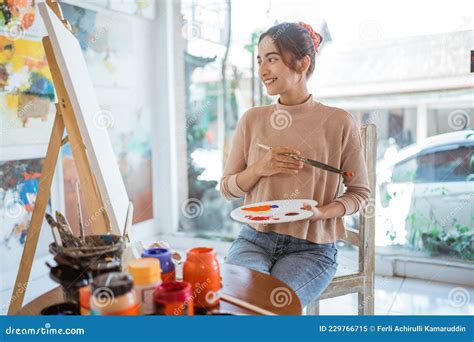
(248, 285)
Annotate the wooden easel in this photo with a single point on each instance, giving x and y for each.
(65, 120)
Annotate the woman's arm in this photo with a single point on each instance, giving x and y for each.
(239, 178)
(357, 192)
(328, 211)
(247, 179)
(272, 163)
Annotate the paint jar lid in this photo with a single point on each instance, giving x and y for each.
(164, 255)
(116, 283)
(172, 292)
(203, 255)
(145, 271)
(61, 309)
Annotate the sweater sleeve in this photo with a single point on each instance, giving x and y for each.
(236, 162)
(357, 191)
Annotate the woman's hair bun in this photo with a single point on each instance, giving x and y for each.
(315, 36)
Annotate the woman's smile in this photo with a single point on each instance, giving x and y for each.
(269, 81)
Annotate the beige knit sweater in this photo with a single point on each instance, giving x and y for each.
(323, 133)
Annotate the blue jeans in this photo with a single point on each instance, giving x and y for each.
(304, 266)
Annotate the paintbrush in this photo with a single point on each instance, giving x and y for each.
(60, 234)
(54, 228)
(128, 222)
(79, 214)
(312, 162)
(64, 226)
(245, 305)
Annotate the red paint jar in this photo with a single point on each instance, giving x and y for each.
(174, 298)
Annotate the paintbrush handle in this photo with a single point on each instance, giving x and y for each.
(50, 220)
(265, 147)
(79, 213)
(320, 165)
(245, 305)
(312, 162)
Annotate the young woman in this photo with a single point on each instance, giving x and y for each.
(302, 254)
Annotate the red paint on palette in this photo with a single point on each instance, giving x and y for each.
(291, 214)
(257, 218)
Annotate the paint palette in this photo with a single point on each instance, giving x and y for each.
(271, 212)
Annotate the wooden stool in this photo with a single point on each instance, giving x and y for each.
(361, 282)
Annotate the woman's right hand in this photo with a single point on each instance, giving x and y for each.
(275, 162)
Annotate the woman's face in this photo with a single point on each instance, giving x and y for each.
(275, 75)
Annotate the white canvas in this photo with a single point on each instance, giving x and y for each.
(89, 117)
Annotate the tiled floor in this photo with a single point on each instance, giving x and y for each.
(402, 296)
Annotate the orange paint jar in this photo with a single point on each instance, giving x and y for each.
(113, 295)
(85, 293)
(201, 269)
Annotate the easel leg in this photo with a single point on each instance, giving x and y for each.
(36, 222)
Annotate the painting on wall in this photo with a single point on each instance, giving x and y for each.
(18, 19)
(105, 45)
(143, 8)
(19, 181)
(26, 93)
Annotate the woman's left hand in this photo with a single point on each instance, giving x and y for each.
(317, 213)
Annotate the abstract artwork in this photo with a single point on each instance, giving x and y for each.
(19, 181)
(26, 93)
(143, 8)
(105, 45)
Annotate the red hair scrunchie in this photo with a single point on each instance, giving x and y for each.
(315, 36)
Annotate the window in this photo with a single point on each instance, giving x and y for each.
(405, 171)
(452, 165)
(449, 119)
